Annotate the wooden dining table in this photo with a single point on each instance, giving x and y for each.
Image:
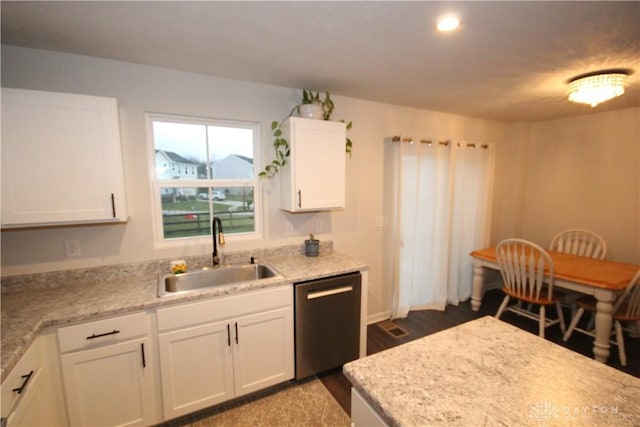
(601, 278)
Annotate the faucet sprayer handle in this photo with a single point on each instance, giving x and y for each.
(221, 238)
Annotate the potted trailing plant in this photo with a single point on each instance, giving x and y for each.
(313, 107)
(281, 145)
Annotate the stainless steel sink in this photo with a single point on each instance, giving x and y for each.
(171, 284)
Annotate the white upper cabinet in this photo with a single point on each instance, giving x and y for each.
(61, 159)
(314, 177)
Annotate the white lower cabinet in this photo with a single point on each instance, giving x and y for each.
(30, 393)
(33, 409)
(108, 372)
(214, 350)
(263, 354)
(362, 414)
(196, 365)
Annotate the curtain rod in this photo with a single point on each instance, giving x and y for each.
(446, 143)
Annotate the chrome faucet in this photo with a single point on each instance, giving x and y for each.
(216, 221)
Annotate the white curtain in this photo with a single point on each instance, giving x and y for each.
(442, 211)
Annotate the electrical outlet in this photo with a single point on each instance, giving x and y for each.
(72, 248)
(318, 226)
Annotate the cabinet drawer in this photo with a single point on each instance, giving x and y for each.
(21, 378)
(224, 307)
(102, 332)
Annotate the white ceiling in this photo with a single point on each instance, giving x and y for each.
(509, 61)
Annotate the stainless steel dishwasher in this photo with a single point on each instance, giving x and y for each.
(327, 323)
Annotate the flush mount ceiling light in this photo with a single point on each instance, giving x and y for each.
(595, 88)
(448, 23)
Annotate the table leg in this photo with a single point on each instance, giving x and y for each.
(604, 320)
(477, 285)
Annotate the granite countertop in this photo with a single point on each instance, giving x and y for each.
(487, 372)
(32, 304)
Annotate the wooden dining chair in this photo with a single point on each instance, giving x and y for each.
(579, 242)
(528, 275)
(625, 309)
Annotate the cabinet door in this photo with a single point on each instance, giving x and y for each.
(263, 350)
(196, 368)
(111, 385)
(32, 391)
(19, 381)
(314, 178)
(61, 159)
(37, 407)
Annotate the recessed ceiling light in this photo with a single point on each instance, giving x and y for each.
(448, 23)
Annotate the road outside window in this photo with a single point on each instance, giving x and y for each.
(203, 168)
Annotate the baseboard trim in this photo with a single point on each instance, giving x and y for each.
(378, 317)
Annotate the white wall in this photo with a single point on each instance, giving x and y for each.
(584, 172)
(519, 166)
(579, 172)
(141, 89)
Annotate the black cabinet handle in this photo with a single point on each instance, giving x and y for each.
(236, 332)
(26, 379)
(300, 198)
(228, 335)
(144, 360)
(113, 205)
(115, 331)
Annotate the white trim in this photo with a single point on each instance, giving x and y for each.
(156, 184)
(378, 317)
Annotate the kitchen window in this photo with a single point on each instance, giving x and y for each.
(203, 168)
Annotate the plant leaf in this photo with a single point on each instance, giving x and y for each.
(280, 144)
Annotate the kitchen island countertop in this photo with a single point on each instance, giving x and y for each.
(487, 372)
(27, 309)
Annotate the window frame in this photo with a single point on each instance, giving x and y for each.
(157, 184)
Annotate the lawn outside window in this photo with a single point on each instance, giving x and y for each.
(203, 168)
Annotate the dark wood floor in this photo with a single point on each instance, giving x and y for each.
(422, 323)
